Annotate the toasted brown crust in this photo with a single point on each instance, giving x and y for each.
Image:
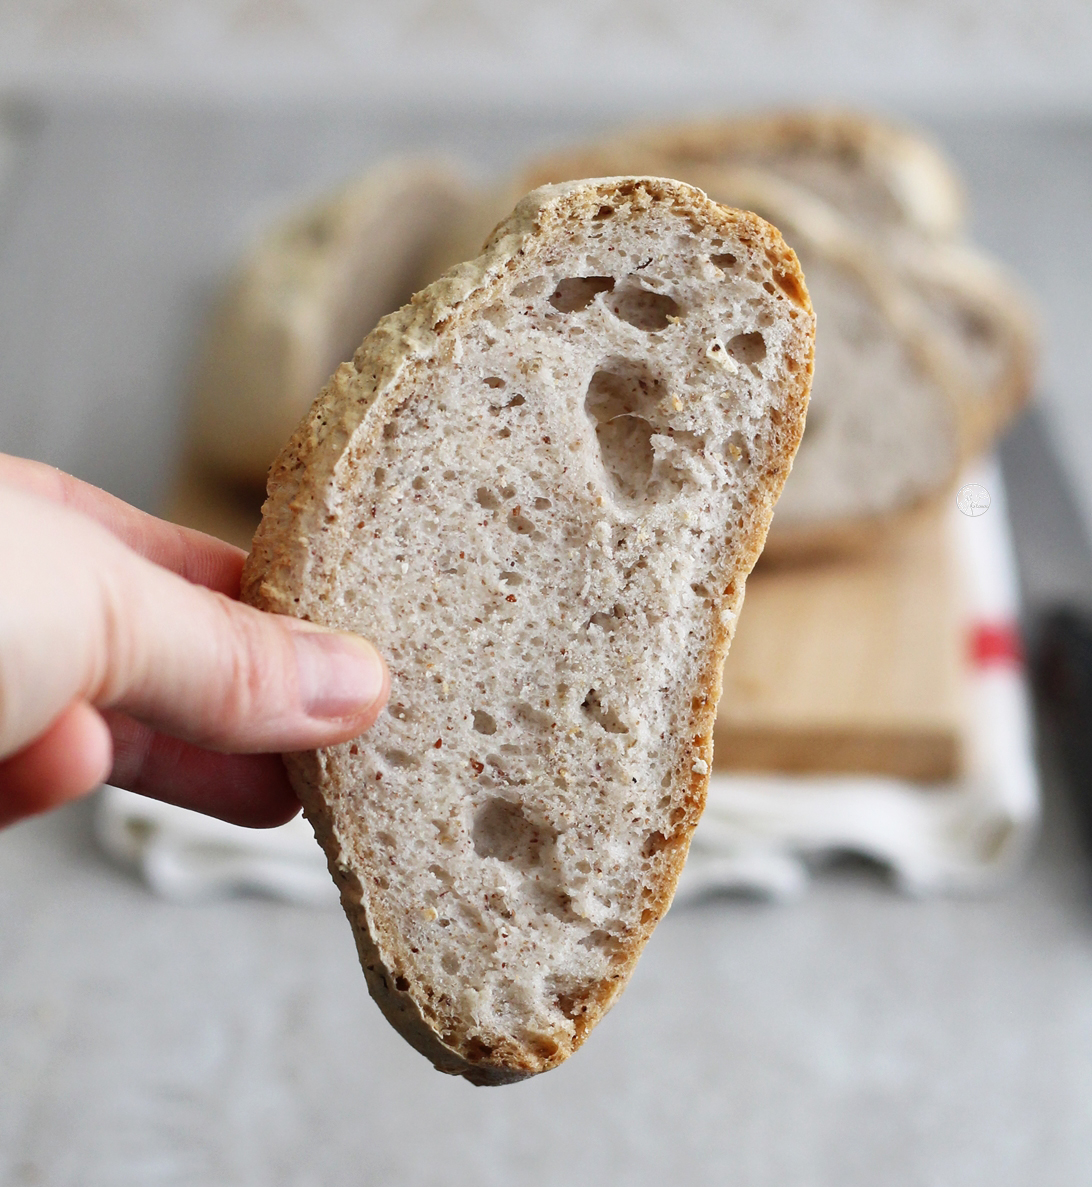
(346, 422)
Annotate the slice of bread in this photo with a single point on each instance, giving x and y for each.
(883, 428)
(301, 301)
(971, 316)
(539, 488)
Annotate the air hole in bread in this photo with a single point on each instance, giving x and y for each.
(493, 381)
(484, 723)
(748, 348)
(603, 212)
(724, 260)
(399, 758)
(542, 504)
(487, 499)
(503, 831)
(418, 483)
(642, 309)
(380, 476)
(520, 524)
(528, 715)
(575, 293)
(573, 1005)
(602, 714)
(511, 579)
(443, 877)
(787, 282)
(476, 1050)
(604, 621)
(655, 843)
(543, 1045)
(614, 403)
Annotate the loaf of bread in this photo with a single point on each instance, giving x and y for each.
(879, 175)
(539, 488)
(926, 348)
(301, 301)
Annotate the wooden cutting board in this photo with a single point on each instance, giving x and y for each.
(848, 665)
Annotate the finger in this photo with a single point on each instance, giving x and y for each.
(225, 676)
(197, 557)
(247, 789)
(90, 620)
(70, 759)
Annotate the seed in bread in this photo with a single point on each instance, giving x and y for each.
(539, 488)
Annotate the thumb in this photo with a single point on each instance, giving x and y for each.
(84, 618)
(195, 664)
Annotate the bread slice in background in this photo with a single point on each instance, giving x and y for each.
(301, 301)
(924, 356)
(539, 488)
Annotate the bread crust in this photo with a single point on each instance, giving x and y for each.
(339, 435)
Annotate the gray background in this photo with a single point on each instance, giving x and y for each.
(856, 1038)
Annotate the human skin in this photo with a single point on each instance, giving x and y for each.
(125, 656)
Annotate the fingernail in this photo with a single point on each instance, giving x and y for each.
(339, 675)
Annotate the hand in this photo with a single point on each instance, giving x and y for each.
(125, 656)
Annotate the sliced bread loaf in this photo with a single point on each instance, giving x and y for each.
(539, 488)
(926, 349)
(880, 175)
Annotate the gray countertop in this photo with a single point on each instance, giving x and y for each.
(855, 1038)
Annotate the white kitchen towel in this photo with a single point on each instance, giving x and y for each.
(187, 857)
(760, 834)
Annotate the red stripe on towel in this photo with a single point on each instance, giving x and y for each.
(994, 644)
